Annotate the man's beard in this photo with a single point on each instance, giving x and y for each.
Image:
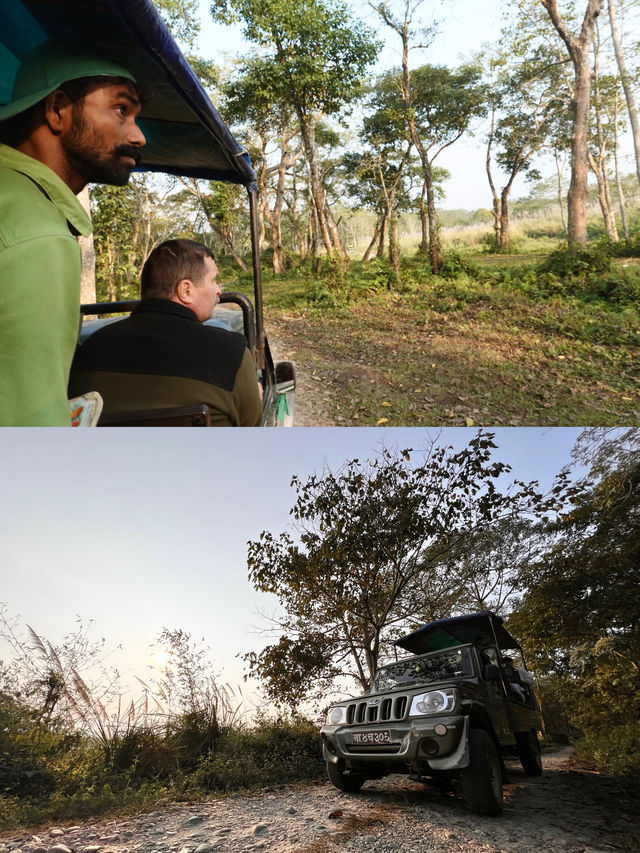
(82, 148)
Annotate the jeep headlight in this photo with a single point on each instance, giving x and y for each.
(433, 702)
(336, 715)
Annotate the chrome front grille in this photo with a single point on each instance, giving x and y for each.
(385, 710)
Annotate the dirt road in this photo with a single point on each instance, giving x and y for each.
(568, 809)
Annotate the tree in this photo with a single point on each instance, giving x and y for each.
(605, 100)
(438, 103)
(578, 48)
(527, 107)
(580, 618)
(380, 168)
(371, 559)
(249, 99)
(627, 86)
(320, 55)
(443, 103)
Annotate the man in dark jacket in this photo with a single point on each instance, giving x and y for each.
(163, 355)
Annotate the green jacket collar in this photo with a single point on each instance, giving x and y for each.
(54, 187)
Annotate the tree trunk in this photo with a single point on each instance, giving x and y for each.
(559, 174)
(383, 233)
(276, 216)
(336, 239)
(578, 48)
(423, 249)
(495, 209)
(435, 252)
(599, 170)
(627, 85)
(394, 246)
(307, 131)
(621, 201)
(88, 255)
(374, 240)
(577, 196)
(293, 208)
(504, 219)
(600, 167)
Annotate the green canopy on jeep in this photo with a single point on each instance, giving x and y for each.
(456, 631)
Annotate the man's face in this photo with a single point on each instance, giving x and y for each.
(207, 292)
(102, 145)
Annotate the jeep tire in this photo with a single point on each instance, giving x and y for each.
(344, 781)
(482, 779)
(529, 753)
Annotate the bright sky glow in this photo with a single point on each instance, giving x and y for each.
(144, 529)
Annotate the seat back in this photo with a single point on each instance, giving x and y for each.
(178, 416)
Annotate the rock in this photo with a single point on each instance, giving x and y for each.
(260, 829)
(59, 848)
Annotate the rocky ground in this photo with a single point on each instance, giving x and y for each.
(569, 809)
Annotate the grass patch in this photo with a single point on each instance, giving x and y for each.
(74, 778)
(513, 344)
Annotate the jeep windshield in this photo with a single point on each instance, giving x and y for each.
(437, 666)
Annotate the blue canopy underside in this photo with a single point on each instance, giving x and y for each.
(185, 133)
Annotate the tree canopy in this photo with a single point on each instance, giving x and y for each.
(371, 558)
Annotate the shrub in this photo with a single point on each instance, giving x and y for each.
(143, 754)
(455, 265)
(191, 736)
(612, 748)
(578, 263)
(271, 752)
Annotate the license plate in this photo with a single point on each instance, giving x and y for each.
(369, 738)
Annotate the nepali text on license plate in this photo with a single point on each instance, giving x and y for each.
(363, 738)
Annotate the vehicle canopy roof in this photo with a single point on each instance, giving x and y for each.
(185, 133)
(456, 631)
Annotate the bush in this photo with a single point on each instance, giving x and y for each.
(192, 736)
(455, 265)
(578, 263)
(272, 752)
(371, 276)
(612, 748)
(143, 754)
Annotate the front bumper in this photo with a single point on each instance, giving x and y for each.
(412, 742)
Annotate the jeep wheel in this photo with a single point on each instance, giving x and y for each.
(482, 779)
(529, 753)
(345, 781)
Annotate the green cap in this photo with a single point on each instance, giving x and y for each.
(49, 66)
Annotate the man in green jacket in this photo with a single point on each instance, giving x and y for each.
(71, 120)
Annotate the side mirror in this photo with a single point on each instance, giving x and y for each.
(492, 672)
(285, 377)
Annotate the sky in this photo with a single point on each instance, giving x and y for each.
(139, 530)
(463, 27)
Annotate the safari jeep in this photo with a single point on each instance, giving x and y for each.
(185, 136)
(453, 710)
